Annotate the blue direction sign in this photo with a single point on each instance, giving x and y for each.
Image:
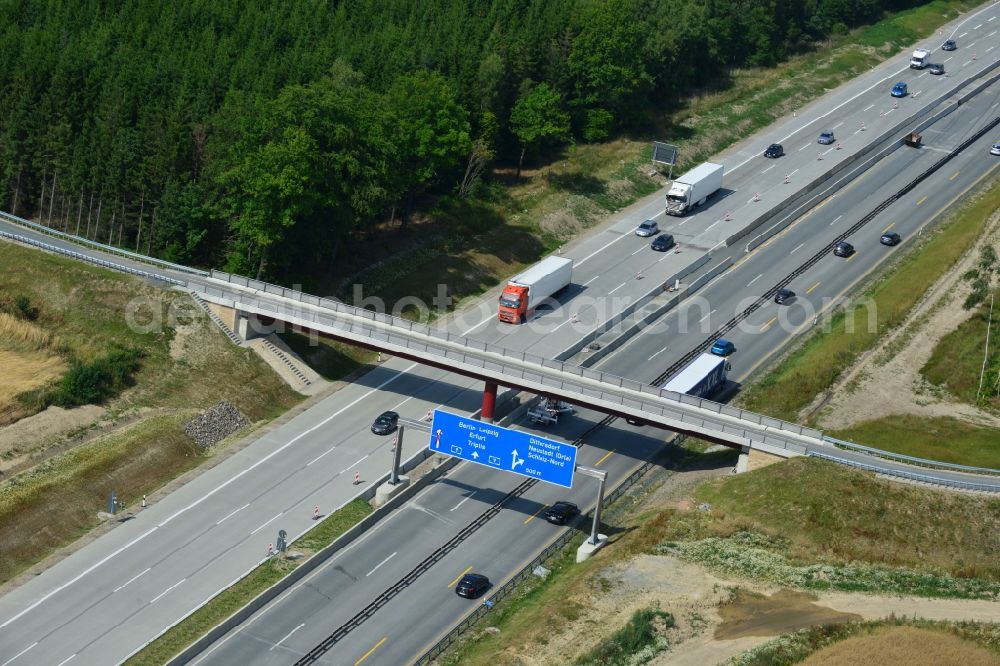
(502, 448)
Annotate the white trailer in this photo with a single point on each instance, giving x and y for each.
(701, 377)
(694, 188)
(526, 291)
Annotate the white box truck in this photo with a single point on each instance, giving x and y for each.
(701, 377)
(693, 188)
(524, 292)
(919, 59)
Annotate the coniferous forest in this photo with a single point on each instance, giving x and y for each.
(258, 135)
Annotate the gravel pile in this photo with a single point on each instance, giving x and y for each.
(215, 424)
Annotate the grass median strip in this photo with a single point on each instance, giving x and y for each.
(230, 600)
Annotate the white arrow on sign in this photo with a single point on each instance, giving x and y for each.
(437, 439)
(517, 461)
(475, 455)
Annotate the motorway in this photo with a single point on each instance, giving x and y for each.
(105, 601)
(400, 631)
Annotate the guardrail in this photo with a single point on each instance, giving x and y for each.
(923, 462)
(511, 584)
(365, 325)
(111, 249)
(91, 260)
(913, 476)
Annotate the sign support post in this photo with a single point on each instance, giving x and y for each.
(596, 540)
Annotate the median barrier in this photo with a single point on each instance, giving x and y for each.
(309, 565)
(805, 199)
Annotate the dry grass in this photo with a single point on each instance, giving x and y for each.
(912, 646)
(827, 512)
(20, 335)
(58, 501)
(28, 360)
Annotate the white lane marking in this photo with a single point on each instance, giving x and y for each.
(78, 577)
(287, 636)
(125, 584)
(992, 18)
(978, 26)
(350, 467)
(966, 63)
(316, 459)
(380, 564)
(233, 513)
(963, 35)
(991, 48)
(591, 280)
(267, 523)
(562, 324)
(464, 500)
(160, 595)
(706, 316)
(601, 249)
(617, 288)
(67, 659)
(948, 58)
(638, 251)
(19, 654)
(793, 173)
(922, 75)
(796, 248)
(804, 147)
(870, 106)
(837, 125)
(710, 226)
(755, 279)
(835, 220)
(656, 354)
(992, 33)
(470, 330)
(828, 150)
(769, 168)
(286, 445)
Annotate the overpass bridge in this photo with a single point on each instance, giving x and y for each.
(253, 300)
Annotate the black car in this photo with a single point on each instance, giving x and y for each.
(843, 249)
(634, 421)
(937, 69)
(386, 423)
(560, 512)
(774, 150)
(472, 585)
(891, 238)
(784, 296)
(949, 45)
(662, 243)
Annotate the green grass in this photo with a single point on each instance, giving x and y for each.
(233, 598)
(815, 511)
(74, 486)
(794, 648)
(818, 363)
(473, 245)
(643, 635)
(957, 360)
(185, 365)
(331, 359)
(946, 439)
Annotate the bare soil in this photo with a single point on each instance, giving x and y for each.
(36, 438)
(886, 380)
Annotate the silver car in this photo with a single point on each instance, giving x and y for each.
(995, 149)
(647, 228)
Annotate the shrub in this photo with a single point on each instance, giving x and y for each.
(95, 381)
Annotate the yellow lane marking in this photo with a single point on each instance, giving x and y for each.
(606, 456)
(768, 324)
(922, 199)
(852, 256)
(367, 654)
(954, 175)
(459, 577)
(810, 289)
(891, 225)
(529, 518)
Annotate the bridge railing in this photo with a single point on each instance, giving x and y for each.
(912, 476)
(922, 462)
(368, 324)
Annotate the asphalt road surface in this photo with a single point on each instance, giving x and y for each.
(117, 593)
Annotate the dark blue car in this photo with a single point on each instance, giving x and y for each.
(899, 90)
(723, 347)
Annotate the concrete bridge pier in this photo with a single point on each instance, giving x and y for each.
(249, 326)
(489, 402)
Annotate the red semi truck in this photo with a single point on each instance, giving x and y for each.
(524, 292)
